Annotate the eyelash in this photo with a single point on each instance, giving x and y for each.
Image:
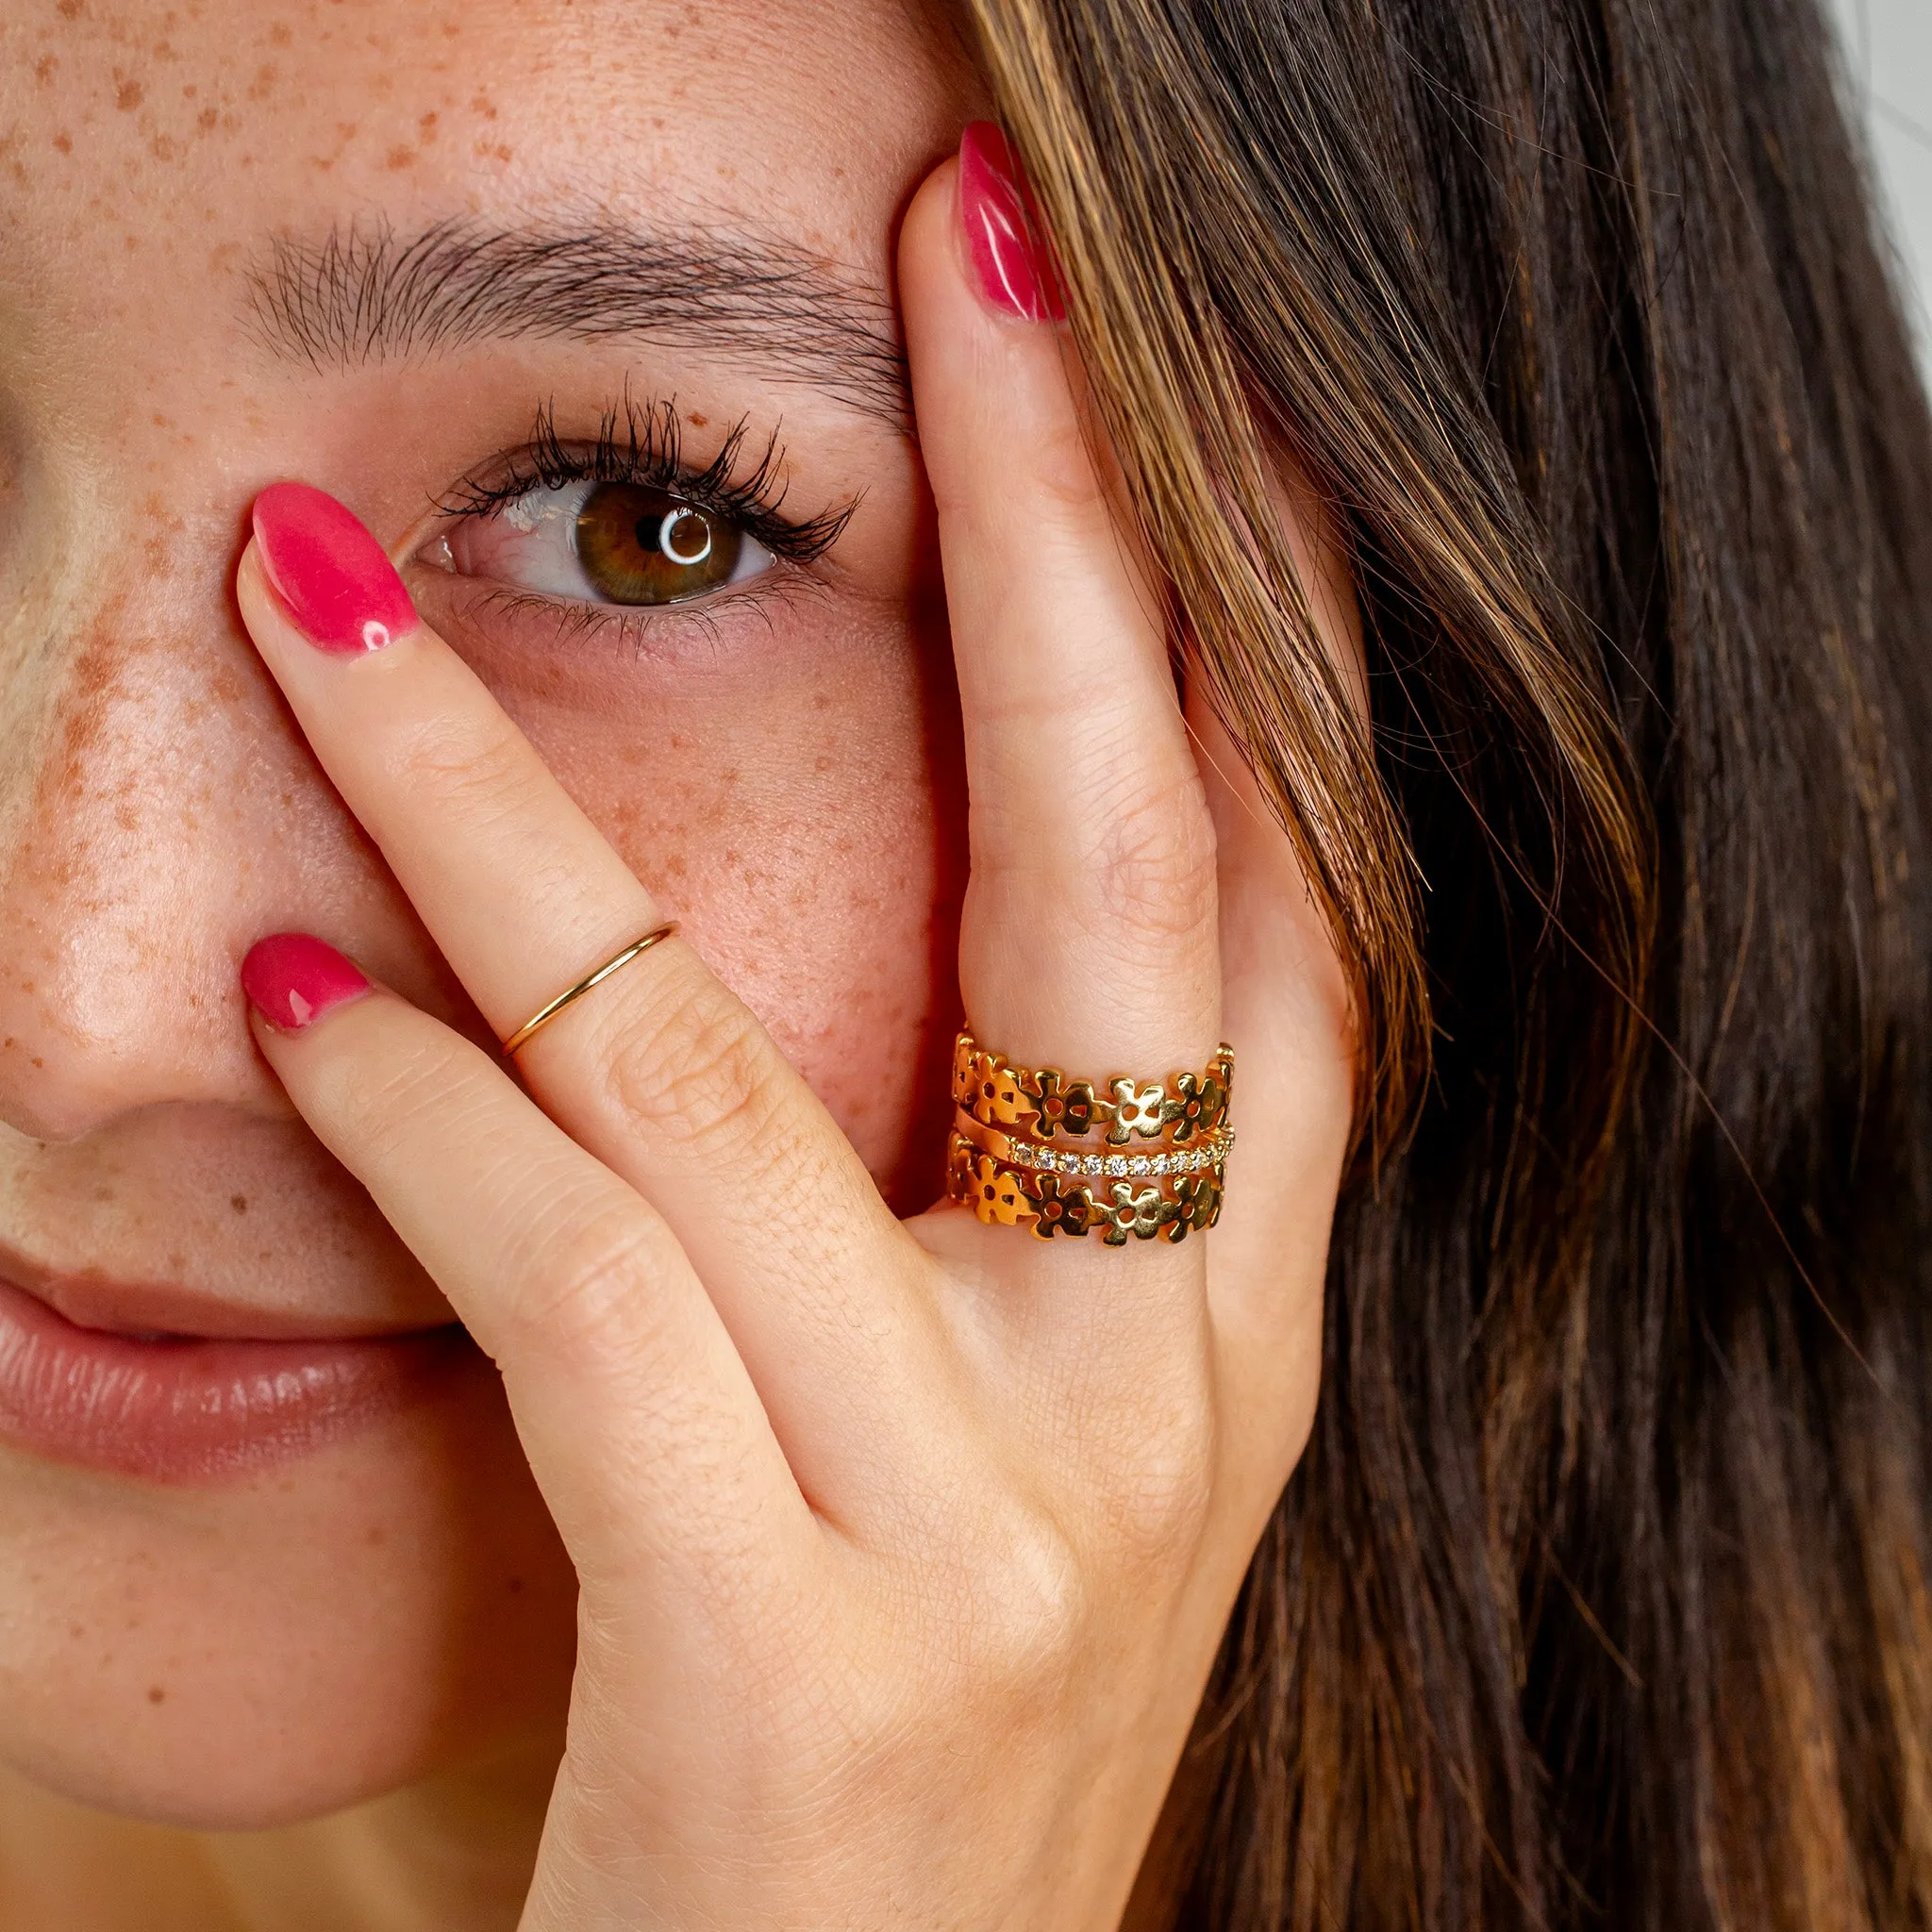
(641, 445)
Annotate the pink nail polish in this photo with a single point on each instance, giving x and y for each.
(1016, 275)
(330, 574)
(291, 980)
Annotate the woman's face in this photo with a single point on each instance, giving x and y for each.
(462, 267)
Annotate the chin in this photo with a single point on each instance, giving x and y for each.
(264, 1647)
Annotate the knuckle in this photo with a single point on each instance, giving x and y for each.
(1062, 477)
(401, 1099)
(480, 774)
(1151, 865)
(1029, 1615)
(706, 1066)
(1159, 1501)
(585, 1292)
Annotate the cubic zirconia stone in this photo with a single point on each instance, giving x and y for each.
(1159, 1163)
(1116, 1164)
(1141, 1163)
(1091, 1164)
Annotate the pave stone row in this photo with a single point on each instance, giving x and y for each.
(1123, 1166)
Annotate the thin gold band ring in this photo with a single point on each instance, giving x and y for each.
(521, 1037)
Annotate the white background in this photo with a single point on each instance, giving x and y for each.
(1889, 58)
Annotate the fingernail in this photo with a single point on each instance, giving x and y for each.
(1015, 274)
(330, 574)
(293, 980)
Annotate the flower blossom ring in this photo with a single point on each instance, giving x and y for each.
(1035, 1149)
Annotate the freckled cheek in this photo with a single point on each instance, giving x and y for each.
(810, 833)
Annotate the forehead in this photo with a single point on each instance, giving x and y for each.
(150, 149)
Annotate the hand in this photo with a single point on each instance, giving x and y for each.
(905, 1548)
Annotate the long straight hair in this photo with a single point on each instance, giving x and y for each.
(1601, 1596)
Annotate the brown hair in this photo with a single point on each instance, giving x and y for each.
(1601, 1595)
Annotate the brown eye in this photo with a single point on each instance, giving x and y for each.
(640, 545)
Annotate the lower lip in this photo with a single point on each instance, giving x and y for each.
(189, 1410)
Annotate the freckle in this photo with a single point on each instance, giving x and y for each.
(65, 143)
(162, 148)
(374, 1538)
(155, 1694)
(206, 119)
(128, 96)
(400, 158)
(239, 1203)
(36, 1062)
(425, 128)
(188, 93)
(515, 1586)
(43, 69)
(70, 10)
(279, 36)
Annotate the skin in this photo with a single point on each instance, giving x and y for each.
(367, 1654)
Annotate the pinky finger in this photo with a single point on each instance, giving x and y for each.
(642, 1426)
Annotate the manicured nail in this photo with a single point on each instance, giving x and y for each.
(1015, 273)
(291, 980)
(330, 574)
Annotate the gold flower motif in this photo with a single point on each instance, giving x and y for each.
(1196, 1202)
(1134, 1109)
(1131, 1211)
(1063, 1207)
(1198, 1105)
(963, 1058)
(1063, 1105)
(996, 1096)
(997, 1195)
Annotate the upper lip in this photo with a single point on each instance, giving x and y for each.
(98, 1301)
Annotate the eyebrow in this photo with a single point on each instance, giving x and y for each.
(365, 294)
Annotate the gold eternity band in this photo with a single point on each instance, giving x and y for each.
(1128, 1159)
(521, 1037)
(1172, 1207)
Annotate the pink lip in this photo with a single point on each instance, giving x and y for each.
(189, 1409)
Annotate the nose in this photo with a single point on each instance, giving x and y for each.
(158, 814)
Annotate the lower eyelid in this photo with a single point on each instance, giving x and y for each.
(508, 631)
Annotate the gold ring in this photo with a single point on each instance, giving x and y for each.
(1138, 1208)
(1031, 1148)
(1046, 1105)
(521, 1038)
